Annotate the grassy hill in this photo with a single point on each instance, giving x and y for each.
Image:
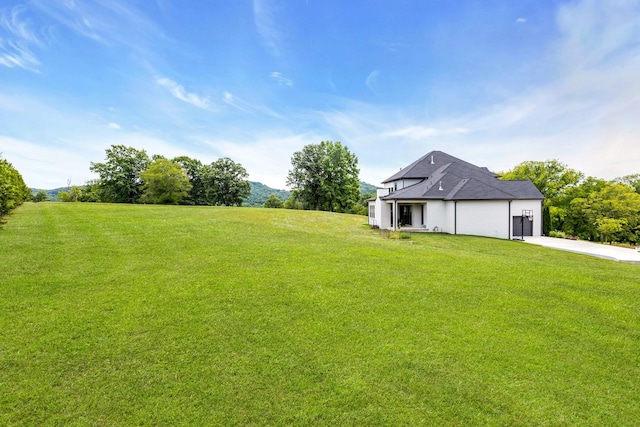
(160, 315)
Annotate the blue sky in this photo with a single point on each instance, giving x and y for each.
(492, 82)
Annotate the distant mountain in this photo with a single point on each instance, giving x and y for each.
(52, 194)
(367, 188)
(260, 193)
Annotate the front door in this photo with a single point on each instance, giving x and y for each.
(405, 215)
(522, 226)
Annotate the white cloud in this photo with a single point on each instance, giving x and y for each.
(280, 79)
(521, 20)
(267, 155)
(179, 92)
(47, 166)
(114, 126)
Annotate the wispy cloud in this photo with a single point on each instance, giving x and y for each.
(264, 17)
(422, 132)
(113, 125)
(179, 92)
(242, 105)
(372, 80)
(17, 37)
(280, 79)
(521, 20)
(236, 102)
(106, 22)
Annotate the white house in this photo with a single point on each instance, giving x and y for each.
(442, 193)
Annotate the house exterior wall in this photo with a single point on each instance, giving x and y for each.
(483, 218)
(491, 218)
(385, 214)
(401, 183)
(382, 214)
(436, 213)
(450, 217)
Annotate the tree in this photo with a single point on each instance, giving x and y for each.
(63, 196)
(551, 177)
(195, 171)
(632, 181)
(225, 183)
(75, 193)
(120, 180)
(293, 201)
(612, 213)
(41, 196)
(13, 190)
(164, 182)
(615, 211)
(568, 219)
(91, 192)
(273, 202)
(609, 228)
(362, 207)
(325, 176)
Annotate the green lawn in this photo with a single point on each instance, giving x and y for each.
(155, 315)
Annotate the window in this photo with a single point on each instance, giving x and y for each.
(372, 211)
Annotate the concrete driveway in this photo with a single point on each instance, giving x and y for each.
(588, 248)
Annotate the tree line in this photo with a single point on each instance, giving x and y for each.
(130, 175)
(324, 176)
(582, 207)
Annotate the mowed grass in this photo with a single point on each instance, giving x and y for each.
(155, 315)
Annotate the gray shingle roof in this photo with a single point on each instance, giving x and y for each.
(444, 177)
(429, 163)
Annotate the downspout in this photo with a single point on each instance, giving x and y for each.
(455, 217)
(542, 217)
(509, 221)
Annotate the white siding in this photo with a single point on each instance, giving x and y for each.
(436, 214)
(450, 217)
(491, 218)
(483, 218)
(401, 183)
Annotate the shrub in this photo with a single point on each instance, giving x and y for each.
(273, 202)
(558, 234)
(13, 190)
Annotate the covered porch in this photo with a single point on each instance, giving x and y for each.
(409, 215)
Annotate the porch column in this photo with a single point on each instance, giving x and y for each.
(395, 215)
